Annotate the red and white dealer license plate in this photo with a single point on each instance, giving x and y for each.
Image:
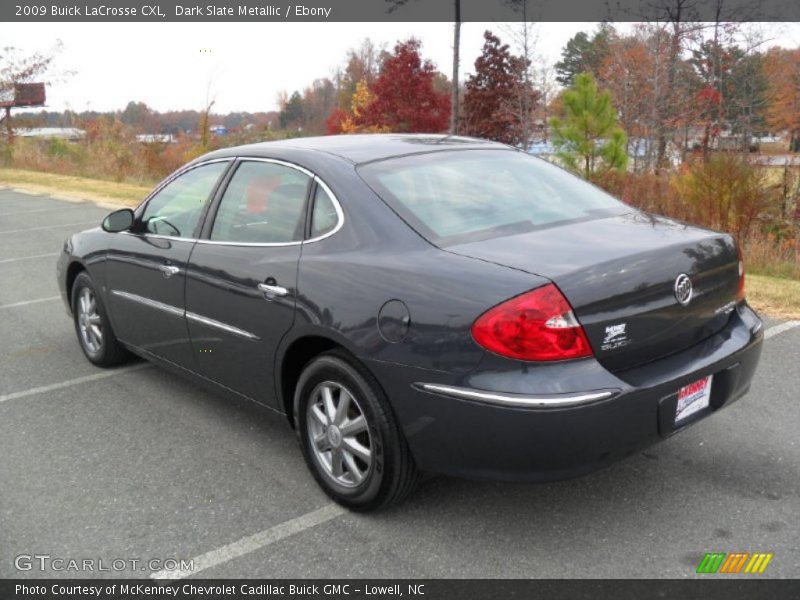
(693, 398)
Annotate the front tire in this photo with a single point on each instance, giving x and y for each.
(95, 334)
(349, 437)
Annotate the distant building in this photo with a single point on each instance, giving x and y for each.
(642, 153)
(768, 139)
(155, 138)
(71, 134)
(775, 160)
(541, 148)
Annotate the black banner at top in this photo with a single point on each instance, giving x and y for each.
(396, 10)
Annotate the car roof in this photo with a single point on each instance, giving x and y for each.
(361, 148)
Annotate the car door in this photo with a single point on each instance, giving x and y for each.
(146, 267)
(242, 281)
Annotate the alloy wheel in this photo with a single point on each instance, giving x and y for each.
(90, 324)
(338, 434)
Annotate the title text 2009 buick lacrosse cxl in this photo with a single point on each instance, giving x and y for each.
(420, 304)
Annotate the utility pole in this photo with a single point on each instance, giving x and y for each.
(456, 46)
(9, 129)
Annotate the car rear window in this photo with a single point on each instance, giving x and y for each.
(464, 195)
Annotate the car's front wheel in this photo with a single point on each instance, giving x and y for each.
(95, 334)
(349, 436)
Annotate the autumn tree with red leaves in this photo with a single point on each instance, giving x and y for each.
(335, 120)
(627, 73)
(493, 92)
(403, 98)
(783, 73)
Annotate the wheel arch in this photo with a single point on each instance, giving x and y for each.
(74, 269)
(298, 353)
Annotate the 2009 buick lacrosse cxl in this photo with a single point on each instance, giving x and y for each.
(420, 304)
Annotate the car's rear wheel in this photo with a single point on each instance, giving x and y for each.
(349, 436)
(95, 334)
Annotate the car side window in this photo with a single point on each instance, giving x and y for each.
(324, 217)
(176, 209)
(264, 203)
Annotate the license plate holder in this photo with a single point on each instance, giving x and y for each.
(692, 399)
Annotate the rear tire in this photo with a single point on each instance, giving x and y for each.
(349, 437)
(95, 334)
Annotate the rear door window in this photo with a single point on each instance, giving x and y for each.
(264, 203)
(324, 217)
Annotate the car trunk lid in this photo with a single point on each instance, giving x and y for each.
(619, 274)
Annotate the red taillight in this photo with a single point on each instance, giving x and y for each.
(538, 325)
(740, 290)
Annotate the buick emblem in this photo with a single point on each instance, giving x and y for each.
(683, 289)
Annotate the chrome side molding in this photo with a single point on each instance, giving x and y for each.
(168, 308)
(516, 400)
(220, 325)
(179, 312)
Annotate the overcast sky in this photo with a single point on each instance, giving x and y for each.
(246, 64)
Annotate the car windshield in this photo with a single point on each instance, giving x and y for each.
(457, 196)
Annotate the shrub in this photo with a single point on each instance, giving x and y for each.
(728, 193)
(769, 256)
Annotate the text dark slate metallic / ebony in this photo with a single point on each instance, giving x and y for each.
(420, 304)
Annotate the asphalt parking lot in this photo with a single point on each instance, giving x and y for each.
(136, 463)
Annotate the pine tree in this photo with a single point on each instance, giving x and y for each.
(291, 114)
(584, 54)
(587, 136)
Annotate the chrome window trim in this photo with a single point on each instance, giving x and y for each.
(156, 236)
(178, 173)
(314, 178)
(178, 312)
(336, 205)
(514, 400)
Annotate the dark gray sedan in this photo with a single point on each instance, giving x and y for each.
(420, 304)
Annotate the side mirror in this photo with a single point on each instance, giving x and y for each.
(119, 220)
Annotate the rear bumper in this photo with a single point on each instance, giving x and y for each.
(578, 416)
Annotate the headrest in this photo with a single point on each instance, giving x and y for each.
(258, 192)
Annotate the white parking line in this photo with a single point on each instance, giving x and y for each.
(6, 188)
(296, 525)
(77, 381)
(18, 258)
(37, 210)
(265, 537)
(256, 541)
(49, 227)
(25, 302)
(780, 328)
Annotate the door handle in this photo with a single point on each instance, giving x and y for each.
(169, 270)
(275, 290)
